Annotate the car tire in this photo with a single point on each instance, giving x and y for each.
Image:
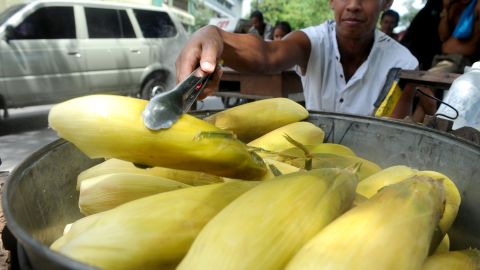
(154, 85)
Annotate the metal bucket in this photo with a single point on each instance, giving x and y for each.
(40, 198)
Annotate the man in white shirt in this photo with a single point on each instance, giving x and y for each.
(259, 26)
(343, 64)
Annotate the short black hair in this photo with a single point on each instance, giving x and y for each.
(257, 14)
(285, 26)
(392, 13)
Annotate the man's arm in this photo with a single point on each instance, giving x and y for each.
(242, 52)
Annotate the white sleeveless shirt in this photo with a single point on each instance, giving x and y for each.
(324, 84)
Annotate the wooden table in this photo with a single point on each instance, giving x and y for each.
(258, 86)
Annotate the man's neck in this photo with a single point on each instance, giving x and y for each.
(353, 52)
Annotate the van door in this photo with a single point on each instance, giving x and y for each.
(116, 58)
(41, 61)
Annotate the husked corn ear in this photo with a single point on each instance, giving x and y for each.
(104, 192)
(114, 165)
(303, 132)
(468, 259)
(444, 245)
(154, 232)
(266, 226)
(325, 160)
(392, 230)
(109, 126)
(369, 186)
(254, 119)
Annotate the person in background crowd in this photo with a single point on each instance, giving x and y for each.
(421, 36)
(281, 29)
(343, 63)
(388, 21)
(259, 26)
(459, 32)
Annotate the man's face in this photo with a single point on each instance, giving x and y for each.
(278, 33)
(387, 24)
(357, 18)
(255, 22)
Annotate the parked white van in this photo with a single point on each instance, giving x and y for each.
(53, 50)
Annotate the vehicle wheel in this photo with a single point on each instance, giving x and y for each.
(156, 84)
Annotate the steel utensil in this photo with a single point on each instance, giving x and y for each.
(164, 109)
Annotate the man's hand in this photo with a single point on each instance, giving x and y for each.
(204, 49)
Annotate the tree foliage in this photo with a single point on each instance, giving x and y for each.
(202, 14)
(299, 14)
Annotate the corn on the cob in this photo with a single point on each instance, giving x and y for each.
(331, 148)
(112, 126)
(153, 232)
(392, 230)
(104, 192)
(114, 165)
(391, 175)
(303, 132)
(252, 120)
(468, 259)
(72, 230)
(264, 227)
(369, 186)
(452, 199)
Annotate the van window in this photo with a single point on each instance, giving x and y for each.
(47, 23)
(155, 24)
(108, 23)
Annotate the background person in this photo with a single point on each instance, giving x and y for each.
(458, 50)
(388, 21)
(259, 26)
(281, 29)
(343, 64)
(421, 36)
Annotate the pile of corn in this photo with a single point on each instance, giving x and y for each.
(252, 187)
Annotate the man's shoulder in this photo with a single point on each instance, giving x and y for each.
(320, 32)
(395, 51)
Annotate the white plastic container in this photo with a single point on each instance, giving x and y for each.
(464, 96)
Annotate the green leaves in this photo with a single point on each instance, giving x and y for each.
(299, 14)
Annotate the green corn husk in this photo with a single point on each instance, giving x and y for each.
(267, 225)
(154, 232)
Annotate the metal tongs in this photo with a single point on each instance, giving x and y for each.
(164, 109)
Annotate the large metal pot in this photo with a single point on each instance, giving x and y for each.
(40, 196)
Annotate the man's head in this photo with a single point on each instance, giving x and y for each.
(256, 19)
(357, 19)
(389, 21)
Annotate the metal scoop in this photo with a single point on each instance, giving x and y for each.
(164, 109)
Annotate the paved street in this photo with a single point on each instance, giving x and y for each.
(24, 132)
